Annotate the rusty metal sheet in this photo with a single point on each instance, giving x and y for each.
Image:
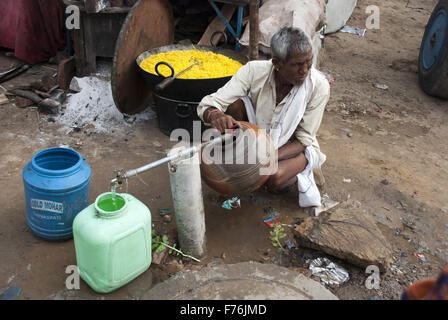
(148, 25)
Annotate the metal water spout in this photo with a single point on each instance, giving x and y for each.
(186, 188)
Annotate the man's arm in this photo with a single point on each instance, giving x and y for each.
(290, 150)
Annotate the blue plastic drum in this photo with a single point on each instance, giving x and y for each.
(56, 184)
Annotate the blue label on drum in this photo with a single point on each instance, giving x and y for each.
(46, 205)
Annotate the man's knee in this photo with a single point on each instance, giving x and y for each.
(273, 183)
(277, 180)
(277, 185)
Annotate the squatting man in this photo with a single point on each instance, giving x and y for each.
(286, 96)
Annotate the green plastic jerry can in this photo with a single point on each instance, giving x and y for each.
(112, 241)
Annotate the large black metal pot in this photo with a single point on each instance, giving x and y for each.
(175, 114)
(187, 89)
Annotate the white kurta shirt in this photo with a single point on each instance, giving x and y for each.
(257, 79)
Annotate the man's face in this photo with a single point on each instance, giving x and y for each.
(296, 67)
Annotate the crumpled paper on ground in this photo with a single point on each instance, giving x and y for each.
(329, 272)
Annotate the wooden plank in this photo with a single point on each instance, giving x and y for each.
(88, 23)
(253, 34)
(148, 25)
(3, 99)
(66, 71)
(80, 51)
(217, 25)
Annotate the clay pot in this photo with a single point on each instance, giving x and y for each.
(240, 166)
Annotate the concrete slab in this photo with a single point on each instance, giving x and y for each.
(337, 13)
(241, 281)
(348, 233)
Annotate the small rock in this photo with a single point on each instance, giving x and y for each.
(192, 267)
(347, 131)
(396, 271)
(380, 86)
(423, 245)
(409, 224)
(165, 211)
(3, 99)
(156, 144)
(49, 106)
(74, 85)
(306, 272)
(357, 204)
(385, 182)
(129, 119)
(160, 257)
(174, 266)
(11, 278)
(404, 205)
(407, 237)
(89, 127)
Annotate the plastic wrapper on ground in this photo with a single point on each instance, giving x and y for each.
(328, 271)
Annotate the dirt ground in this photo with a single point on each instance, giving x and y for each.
(391, 144)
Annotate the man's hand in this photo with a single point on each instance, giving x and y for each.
(221, 121)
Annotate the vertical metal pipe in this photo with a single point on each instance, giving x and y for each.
(186, 189)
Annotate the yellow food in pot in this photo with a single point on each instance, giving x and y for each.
(211, 65)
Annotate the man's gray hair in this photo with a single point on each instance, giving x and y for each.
(288, 40)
